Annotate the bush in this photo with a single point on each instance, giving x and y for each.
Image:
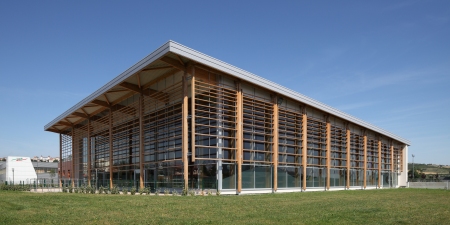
(141, 191)
(125, 190)
(166, 191)
(133, 190)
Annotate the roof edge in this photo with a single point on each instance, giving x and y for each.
(253, 78)
(163, 49)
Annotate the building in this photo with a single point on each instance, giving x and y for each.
(180, 118)
(17, 170)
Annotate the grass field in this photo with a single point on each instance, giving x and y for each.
(391, 206)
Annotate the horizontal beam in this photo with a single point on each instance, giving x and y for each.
(173, 62)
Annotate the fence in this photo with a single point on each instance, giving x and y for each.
(430, 185)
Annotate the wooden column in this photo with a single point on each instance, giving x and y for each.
(110, 148)
(304, 147)
(185, 133)
(72, 174)
(60, 160)
(365, 160)
(89, 152)
(328, 152)
(141, 141)
(379, 162)
(275, 144)
(392, 157)
(348, 155)
(239, 135)
(193, 115)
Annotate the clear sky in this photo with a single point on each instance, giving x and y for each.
(386, 62)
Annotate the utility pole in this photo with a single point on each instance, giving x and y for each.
(13, 177)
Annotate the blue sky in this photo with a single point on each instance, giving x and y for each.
(386, 62)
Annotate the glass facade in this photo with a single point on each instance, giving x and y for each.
(283, 144)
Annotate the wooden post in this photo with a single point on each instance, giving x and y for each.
(185, 131)
(239, 135)
(89, 151)
(275, 144)
(72, 174)
(379, 162)
(304, 147)
(141, 141)
(110, 148)
(365, 160)
(348, 155)
(392, 157)
(193, 115)
(328, 152)
(60, 160)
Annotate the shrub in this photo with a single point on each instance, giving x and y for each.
(209, 192)
(218, 192)
(141, 191)
(166, 191)
(174, 192)
(70, 189)
(133, 190)
(125, 190)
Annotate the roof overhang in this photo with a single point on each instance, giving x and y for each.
(160, 59)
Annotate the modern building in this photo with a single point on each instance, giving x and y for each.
(17, 170)
(180, 118)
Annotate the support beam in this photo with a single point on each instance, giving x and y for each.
(110, 148)
(147, 92)
(72, 174)
(101, 103)
(304, 146)
(141, 141)
(379, 162)
(89, 163)
(348, 137)
(185, 134)
(328, 152)
(239, 135)
(275, 143)
(365, 161)
(392, 157)
(193, 115)
(82, 115)
(173, 62)
(60, 160)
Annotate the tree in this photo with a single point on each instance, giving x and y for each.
(416, 174)
(55, 160)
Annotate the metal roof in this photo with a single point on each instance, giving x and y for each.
(199, 57)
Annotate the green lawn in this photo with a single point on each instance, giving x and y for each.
(391, 206)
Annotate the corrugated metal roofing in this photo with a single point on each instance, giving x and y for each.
(199, 57)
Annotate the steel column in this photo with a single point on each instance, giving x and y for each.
(60, 160)
(379, 162)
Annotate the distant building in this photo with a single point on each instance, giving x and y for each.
(17, 170)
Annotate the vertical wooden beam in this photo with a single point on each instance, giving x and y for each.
(365, 160)
(239, 135)
(141, 141)
(193, 115)
(275, 144)
(379, 162)
(89, 151)
(110, 148)
(328, 152)
(185, 131)
(60, 160)
(348, 155)
(392, 157)
(72, 174)
(304, 147)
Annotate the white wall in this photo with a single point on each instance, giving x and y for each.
(23, 169)
(403, 176)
